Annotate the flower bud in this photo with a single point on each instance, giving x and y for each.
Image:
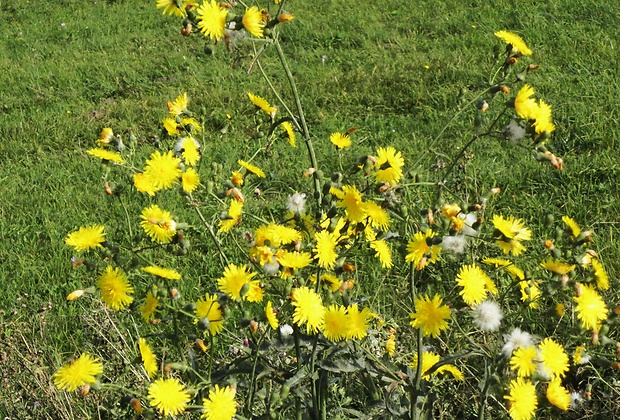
(285, 17)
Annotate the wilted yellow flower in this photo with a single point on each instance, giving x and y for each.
(150, 306)
(105, 137)
(76, 294)
(557, 267)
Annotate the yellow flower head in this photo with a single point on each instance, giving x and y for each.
(557, 267)
(543, 123)
(164, 273)
(171, 7)
(511, 233)
(591, 309)
(290, 133)
(389, 165)
(325, 249)
(150, 306)
(602, 279)
(163, 170)
(430, 359)
(351, 201)
(558, 395)
(179, 105)
(212, 19)
(572, 225)
(234, 279)
(475, 283)
(553, 357)
(253, 21)
(261, 103)
(523, 360)
(106, 155)
(450, 211)
(522, 401)
(430, 315)
(80, 372)
(390, 345)
(383, 252)
(275, 235)
(148, 358)
(158, 224)
(332, 282)
(236, 178)
(517, 43)
(252, 168)
(309, 309)
(358, 322)
(530, 292)
(525, 106)
(377, 215)
(270, 315)
(294, 260)
(86, 237)
(419, 252)
(190, 180)
(220, 405)
(169, 396)
(235, 212)
(115, 289)
(335, 323)
(340, 140)
(190, 151)
(209, 308)
(145, 183)
(105, 137)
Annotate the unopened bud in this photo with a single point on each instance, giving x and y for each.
(511, 61)
(135, 404)
(186, 30)
(285, 17)
(532, 67)
(84, 390)
(254, 326)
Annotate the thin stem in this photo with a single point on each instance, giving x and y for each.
(127, 216)
(212, 234)
(302, 119)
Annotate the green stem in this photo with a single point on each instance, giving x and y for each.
(302, 119)
(212, 234)
(127, 216)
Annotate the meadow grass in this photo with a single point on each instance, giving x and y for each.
(395, 72)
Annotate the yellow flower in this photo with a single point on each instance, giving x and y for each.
(523, 360)
(262, 104)
(389, 165)
(115, 289)
(553, 357)
(234, 279)
(236, 178)
(253, 21)
(430, 359)
(234, 216)
(579, 358)
(220, 405)
(164, 273)
(514, 271)
(251, 168)
(150, 305)
(351, 200)
(325, 249)
(79, 372)
(209, 308)
(335, 323)
(602, 279)
(450, 211)
(163, 170)
(171, 7)
(270, 315)
(340, 140)
(190, 150)
(419, 252)
(333, 283)
(169, 396)
(591, 309)
(294, 260)
(86, 237)
(171, 126)
(558, 395)
(557, 267)
(309, 309)
(106, 155)
(290, 133)
(377, 215)
(511, 233)
(76, 294)
(430, 315)
(525, 106)
(383, 252)
(275, 235)
(390, 345)
(179, 105)
(522, 401)
(543, 118)
(517, 43)
(190, 180)
(475, 284)
(145, 183)
(530, 292)
(158, 224)
(105, 136)
(212, 19)
(358, 322)
(148, 358)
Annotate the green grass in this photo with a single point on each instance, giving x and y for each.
(72, 67)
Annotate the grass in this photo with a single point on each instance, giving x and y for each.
(73, 67)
